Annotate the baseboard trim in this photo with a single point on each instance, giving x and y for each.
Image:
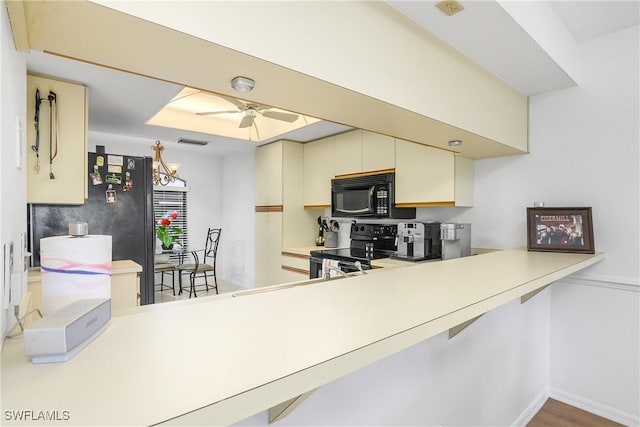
(533, 408)
(600, 409)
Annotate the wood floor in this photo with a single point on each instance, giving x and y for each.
(558, 414)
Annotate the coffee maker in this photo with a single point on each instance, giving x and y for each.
(456, 240)
(418, 241)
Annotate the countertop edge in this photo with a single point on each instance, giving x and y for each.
(258, 399)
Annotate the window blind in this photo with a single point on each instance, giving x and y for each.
(167, 200)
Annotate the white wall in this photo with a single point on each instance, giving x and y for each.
(594, 348)
(13, 86)
(596, 329)
(238, 203)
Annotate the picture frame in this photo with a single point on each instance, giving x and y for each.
(560, 229)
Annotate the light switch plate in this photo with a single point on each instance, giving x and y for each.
(24, 255)
(7, 268)
(19, 144)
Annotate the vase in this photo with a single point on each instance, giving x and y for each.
(167, 248)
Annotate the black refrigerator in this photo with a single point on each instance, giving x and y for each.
(119, 204)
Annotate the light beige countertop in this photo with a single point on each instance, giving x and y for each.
(398, 262)
(216, 361)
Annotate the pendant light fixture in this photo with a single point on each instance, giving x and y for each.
(163, 173)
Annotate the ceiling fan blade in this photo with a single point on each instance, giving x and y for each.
(247, 121)
(208, 113)
(241, 105)
(278, 115)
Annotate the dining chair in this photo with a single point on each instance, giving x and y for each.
(162, 268)
(202, 268)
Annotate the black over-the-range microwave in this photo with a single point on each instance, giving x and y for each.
(370, 196)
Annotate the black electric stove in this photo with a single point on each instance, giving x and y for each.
(349, 254)
(368, 242)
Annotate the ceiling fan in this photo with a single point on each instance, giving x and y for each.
(251, 111)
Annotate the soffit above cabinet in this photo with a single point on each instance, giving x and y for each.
(89, 37)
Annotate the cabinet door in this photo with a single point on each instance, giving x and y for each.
(348, 156)
(288, 276)
(67, 145)
(424, 175)
(294, 268)
(261, 186)
(318, 172)
(378, 152)
(268, 171)
(268, 245)
(124, 291)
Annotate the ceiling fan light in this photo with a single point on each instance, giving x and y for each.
(242, 84)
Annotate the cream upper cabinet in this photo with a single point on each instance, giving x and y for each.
(319, 164)
(268, 170)
(425, 176)
(62, 142)
(378, 152)
(348, 155)
(299, 225)
(363, 151)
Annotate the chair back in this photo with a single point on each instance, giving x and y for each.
(211, 246)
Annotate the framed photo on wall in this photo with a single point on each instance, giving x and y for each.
(560, 230)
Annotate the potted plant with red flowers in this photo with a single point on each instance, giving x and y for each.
(167, 233)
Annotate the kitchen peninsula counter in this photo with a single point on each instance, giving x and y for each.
(247, 353)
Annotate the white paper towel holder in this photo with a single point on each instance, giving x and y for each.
(78, 229)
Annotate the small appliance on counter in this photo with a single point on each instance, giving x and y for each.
(418, 241)
(456, 240)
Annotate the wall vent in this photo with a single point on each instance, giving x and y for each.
(191, 141)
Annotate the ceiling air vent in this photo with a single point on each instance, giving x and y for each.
(191, 141)
(449, 7)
